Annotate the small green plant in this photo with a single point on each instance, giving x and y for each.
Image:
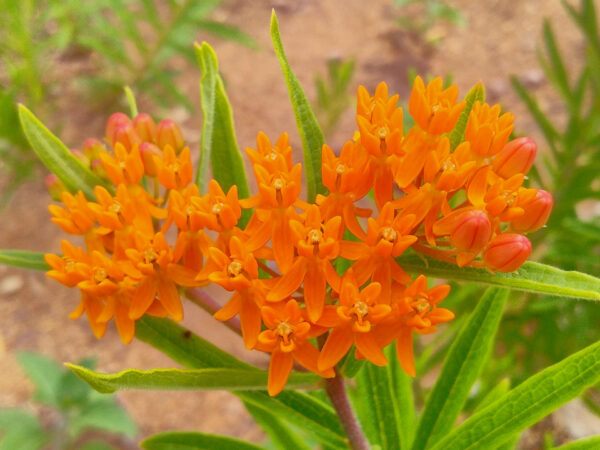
(76, 408)
(332, 94)
(430, 12)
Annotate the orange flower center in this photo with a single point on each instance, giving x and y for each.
(115, 207)
(382, 133)
(389, 234)
(340, 169)
(234, 268)
(360, 309)
(284, 330)
(273, 156)
(421, 305)
(314, 236)
(278, 183)
(150, 255)
(217, 208)
(99, 275)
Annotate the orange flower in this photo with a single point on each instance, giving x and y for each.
(126, 167)
(274, 158)
(516, 157)
(537, 212)
(357, 314)
(487, 130)
(434, 108)
(317, 244)
(507, 252)
(174, 172)
(286, 338)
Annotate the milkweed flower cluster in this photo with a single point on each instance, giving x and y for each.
(155, 232)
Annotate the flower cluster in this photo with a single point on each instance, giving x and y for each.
(285, 265)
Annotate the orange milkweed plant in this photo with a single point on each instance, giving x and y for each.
(326, 284)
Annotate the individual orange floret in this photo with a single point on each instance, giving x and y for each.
(487, 130)
(125, 167)
(70, 268)
(357, 313)
(168, 134)
(286, 338)
(216, 210)
(317, 244)
(507, 252)
(174, 172)
(434, 108)
(348, 179)
(516, 157)
(274, 158)
(387, 238)
(537, 212)
(239, 272)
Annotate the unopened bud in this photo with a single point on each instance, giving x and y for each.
(536, 213)
(125, 134)
(148, 150)
(145, 127)
(472, 231)
(92, 148)
(516, 157)
(81, 157)
(113, 122)
(168, 133)
(507, 252)
(55, 187)
(98, 168)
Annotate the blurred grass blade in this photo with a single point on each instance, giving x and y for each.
(282, 437)
(403, 394)
(187, 349)
(528, 403)
(23, 259)
(200, 379)
(590, 443)
(555, 66)
(377, 403)
(57, 157)
(461, 369)
(133, 109)
(310, 132)
(218, 142)
(230, 32)
(531, 277)
(476, 94)
(187, 440)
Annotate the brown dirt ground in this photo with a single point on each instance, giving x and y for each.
(499, 40)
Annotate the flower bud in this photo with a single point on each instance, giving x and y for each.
(507, 252)
(81, 157)
(516, 157)
(536, 213)
(472, 231)
(113, 122)
(145, 127)
(55, 187)
(148, 150)
(92, 148)
(125, 134)
(98, 168)
(168, 133)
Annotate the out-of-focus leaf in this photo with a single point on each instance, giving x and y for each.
(21, 430)
(404, 398)
(45, 374)
(476, 94)
(229, 32)
(23, 259)
(133, 109)
(180, 440)
(105, 415)
(591, 443)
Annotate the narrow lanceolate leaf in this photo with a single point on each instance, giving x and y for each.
(218, 143)
(526, 404)
(23, 259)
(531, 277)
(463, 365)
(200, 379)
(591, 443)
(57, 157)
(183, 440)
(184, 347)
(476, 94)
(376, 400)
(403, 395)
(310, 132)
(282, 436)
(133, 109)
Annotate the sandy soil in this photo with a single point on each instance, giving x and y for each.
(499, 40)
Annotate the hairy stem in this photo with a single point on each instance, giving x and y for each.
(336, 390)
(210, 305)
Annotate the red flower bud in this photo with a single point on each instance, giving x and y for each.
(92, 148)
(168, 133)
(516, 157)
(113, 122)
(507, 252)
(536, 213)
(148, 150)
(145, 127)
(55, 187)
(125, 134)
(472, 231)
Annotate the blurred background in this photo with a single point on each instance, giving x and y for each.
(68, 60)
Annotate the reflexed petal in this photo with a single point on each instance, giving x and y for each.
(404, 350)
(337, 345)
(279, 371)
(368, 347)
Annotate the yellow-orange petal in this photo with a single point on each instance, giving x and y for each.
(368, 347)
(142, 298)
(125, 325)
(279, 371)
(250, 322)
(289, 282)
(404, 351)
(337, 345)
(231, 308)
(169, 297)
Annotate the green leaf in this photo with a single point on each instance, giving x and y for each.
(24, 259)
(20, 430)
(461, 369)
(133, 109)
(96, 444)
(531, 277)
(494, 394)
(45, 373)
(378, 405)
(201, 379)
(476, 94)
(226, 31)
(57, 157)
(188, 440)
(310, 133)
(590, 443)
(350, 366)
(105, 415)
(189, 350)
(403, 395)
(218, 142)
(529, 402)
(281, 435)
